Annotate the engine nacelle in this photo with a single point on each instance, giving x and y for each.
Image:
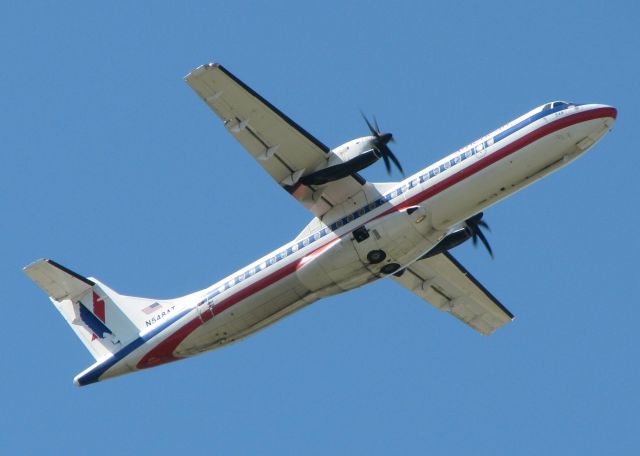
(450, 241)
(469, 229)
(351, 149)
(344, 160)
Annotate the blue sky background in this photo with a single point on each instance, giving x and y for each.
(114, 168)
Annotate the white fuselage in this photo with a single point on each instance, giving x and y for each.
(404, 220)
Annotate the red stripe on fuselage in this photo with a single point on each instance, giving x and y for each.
(163, 352)
(515, 146)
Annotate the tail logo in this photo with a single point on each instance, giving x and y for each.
(95, 320)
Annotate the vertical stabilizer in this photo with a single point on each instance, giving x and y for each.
(103, 320)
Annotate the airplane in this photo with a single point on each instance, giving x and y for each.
(361, 231)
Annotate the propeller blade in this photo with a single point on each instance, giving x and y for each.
(395, 160)
(385, 158)
(476, 218)
(483, 224)
(380, 144)
(375, 122)
(371, 129)
(473, 224)
(485, 242)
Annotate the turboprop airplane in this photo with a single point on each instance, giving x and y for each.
(361, 231)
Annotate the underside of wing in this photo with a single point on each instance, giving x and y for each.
(443, 282)
(284, 149)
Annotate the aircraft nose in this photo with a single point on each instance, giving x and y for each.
(607, 114)
(611, 111)
(597, 121)
(610, 115)
(600, 111)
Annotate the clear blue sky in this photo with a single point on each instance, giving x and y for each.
(114, 168)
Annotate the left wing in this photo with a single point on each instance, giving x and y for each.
(443, 282)
(284, 149)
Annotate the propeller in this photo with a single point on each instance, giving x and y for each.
(380, 144)
(473, 225)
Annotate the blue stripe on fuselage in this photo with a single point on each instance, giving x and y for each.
(94, 374)
(464, 154)
(529, 120)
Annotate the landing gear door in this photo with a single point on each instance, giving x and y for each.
(366, 244)
(364, 240)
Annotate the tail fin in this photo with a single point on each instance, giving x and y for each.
(104, 320)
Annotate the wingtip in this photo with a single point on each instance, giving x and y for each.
(26, 268)
(201, 69)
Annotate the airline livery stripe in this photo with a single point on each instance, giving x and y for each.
(504, 152)
(164, 351)
(462, 156)
(94, 373)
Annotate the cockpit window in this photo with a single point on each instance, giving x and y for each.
(556, 105)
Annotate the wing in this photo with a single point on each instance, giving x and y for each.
(283, 148)
(443, 282)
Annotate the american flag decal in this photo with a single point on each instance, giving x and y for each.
(152, 308)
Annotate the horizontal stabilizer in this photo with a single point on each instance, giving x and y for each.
(57, 281)
(105, 321)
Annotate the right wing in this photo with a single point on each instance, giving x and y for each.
(284, 149)
(444, 283)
